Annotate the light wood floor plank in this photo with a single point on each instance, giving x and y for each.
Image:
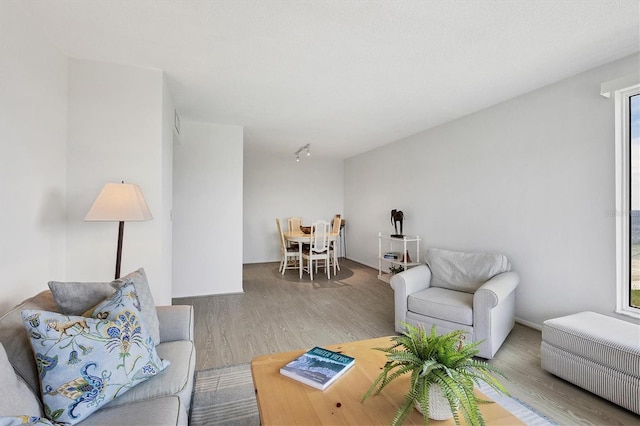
(282, 313)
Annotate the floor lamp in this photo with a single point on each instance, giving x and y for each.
(119, 202)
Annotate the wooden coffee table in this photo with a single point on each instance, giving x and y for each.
(284, 401)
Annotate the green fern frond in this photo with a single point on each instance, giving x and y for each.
(446, 360)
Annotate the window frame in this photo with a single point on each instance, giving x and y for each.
(623, 200)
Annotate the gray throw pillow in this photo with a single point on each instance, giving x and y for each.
(147, 304)
(17, 399)
(75, 298)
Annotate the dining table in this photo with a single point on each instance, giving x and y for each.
(297, 236)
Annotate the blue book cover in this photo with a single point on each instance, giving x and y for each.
(318, 367)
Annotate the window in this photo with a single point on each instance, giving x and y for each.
(628, 200)
(634, 237)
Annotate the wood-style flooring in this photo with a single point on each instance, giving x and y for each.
(281, 313)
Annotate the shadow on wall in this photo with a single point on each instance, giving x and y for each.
(51, 216)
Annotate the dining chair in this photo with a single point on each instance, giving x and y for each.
(294, 225)
(318, 249)
(333, 246)
(290, 257)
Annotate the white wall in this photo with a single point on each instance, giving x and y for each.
(33, 132)
(207, 210)
(276, 186)
(116, 116)
(532, 178)
(166, 191)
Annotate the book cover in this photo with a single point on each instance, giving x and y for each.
(318, 367)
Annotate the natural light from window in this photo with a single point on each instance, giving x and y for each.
(627, 212)
(634, 147)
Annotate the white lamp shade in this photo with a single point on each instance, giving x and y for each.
(119, 202)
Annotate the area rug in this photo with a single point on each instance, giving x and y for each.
(225, 396)
(518, 408)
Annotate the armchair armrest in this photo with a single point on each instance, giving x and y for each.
(404, 284)
(176, 322)
(494, 311)
(497, 289)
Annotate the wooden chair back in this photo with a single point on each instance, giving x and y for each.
(283, 245)
(295, 223)
(337, 222)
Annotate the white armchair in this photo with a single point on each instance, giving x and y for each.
(473, 292)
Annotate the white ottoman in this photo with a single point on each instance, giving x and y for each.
(598, 353)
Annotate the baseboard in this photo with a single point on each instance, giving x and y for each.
(206, 295)
(529, 324)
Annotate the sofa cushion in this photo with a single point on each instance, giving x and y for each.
(74, 298)
(448, 305)
(174, 380)
(16, 342)
(25, 420)
(84, 363)
(156, 412)
(464, 271)
(153, 412)
(17, 399)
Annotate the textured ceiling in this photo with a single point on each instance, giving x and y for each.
(345, 76)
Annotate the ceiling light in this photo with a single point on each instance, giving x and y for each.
(306, 149)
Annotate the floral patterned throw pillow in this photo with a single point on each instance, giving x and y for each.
(25, 420)
(86, 362)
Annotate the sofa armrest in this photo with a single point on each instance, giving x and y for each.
(494, 311)
(176, 322)
(405, 283)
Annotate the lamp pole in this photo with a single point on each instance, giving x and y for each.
(119, 253)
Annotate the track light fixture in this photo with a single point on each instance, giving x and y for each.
(306, 149)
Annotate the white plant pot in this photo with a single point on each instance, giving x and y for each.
(439, 408)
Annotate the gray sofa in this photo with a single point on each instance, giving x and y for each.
(161, 400)
(472, 292)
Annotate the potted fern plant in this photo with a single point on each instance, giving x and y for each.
(438, 365)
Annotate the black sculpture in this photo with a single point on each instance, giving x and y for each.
(397, 216)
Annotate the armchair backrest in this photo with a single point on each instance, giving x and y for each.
(464, 271)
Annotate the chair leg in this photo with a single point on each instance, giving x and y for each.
(335, 263)
(327, 266)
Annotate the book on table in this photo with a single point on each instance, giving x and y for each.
(318, 367)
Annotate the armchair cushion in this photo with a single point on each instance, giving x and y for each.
(448, 305)
(464, 271)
